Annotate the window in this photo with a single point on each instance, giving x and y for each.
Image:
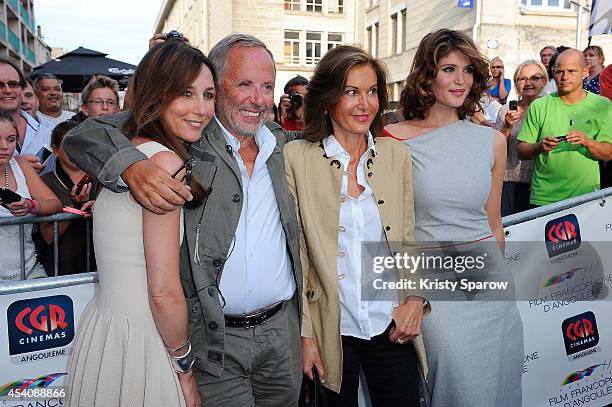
(394, 39)
(375, 41)
(336, 6)
(372, 35)
(292, 47)
(334, 39)
(313, 47)
(403, 30)
(314, 5)
(293, 5)
(549, 4)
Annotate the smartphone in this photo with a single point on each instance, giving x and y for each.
(8, 197)
(513, 105)
(82, 182)
(75, 211)
(562, 138)
(43, 154)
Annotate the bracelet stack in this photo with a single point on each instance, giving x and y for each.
(182, 364)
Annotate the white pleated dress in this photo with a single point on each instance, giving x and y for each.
(119, 358)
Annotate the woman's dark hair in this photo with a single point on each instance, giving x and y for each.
(58, 133)
(5, 116)
(276, 115)
(327, 86)
(162, 75)
(417, 97)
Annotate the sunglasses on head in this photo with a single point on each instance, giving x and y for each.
(188, 166)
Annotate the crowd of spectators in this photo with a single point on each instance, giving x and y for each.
(558, 132)
(33, 124)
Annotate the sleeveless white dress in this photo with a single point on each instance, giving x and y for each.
(10, 262)
(119, 358)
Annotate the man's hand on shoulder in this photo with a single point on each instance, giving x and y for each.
(154, 188)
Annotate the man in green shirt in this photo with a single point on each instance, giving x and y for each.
(566, 133)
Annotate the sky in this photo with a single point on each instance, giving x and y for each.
(120, 28)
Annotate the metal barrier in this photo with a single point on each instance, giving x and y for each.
(556, 207)
(55, 219)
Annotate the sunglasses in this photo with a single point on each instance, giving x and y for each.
(188, 166)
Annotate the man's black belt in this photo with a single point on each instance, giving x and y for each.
(249, 321)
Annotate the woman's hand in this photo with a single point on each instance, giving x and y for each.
(311, 358)
(20, 208)
(512, 116)
(407, 319)
(88, 207)
(82, 196)
(190, 389)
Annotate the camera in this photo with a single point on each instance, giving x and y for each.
(296, 100)
(174, 35)
(513, 105)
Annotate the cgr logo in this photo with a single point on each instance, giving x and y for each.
(580, 332)
(562, 235)
(40, 323)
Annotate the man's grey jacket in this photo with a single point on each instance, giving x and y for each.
(101, 150)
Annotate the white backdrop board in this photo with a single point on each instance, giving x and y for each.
(562, 263)
(37, 330)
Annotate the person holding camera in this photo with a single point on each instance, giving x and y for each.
(291, 104)
(566, 133)
(529, 78)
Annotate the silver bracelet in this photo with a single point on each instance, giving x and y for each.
(183, 364)
(180, 347)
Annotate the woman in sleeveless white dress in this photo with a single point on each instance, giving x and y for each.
(474, 347)
(136, 327)
(18, 176)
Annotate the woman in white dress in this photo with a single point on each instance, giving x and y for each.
(132, 347)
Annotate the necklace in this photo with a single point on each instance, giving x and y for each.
(6, 184)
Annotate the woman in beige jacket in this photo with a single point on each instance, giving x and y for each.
(351, 188)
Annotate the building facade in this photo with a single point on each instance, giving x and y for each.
(514, 30)
(20, 39)
(297, 32)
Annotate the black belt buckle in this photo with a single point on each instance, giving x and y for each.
(252, 320)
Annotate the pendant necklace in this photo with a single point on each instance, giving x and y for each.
(6, 184)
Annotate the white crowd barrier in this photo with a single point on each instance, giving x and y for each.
(566, 319)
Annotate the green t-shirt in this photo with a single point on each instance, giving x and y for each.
(568, 170)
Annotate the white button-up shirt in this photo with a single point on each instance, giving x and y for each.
(51, 121)
(37, 135)
(359, 222)
(258, 272)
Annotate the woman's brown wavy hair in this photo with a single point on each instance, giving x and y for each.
(327, 86)
(162, 75)
(417, 97)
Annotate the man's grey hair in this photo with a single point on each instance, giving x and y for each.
(554, 49)
(219, 53)
(44, 76)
